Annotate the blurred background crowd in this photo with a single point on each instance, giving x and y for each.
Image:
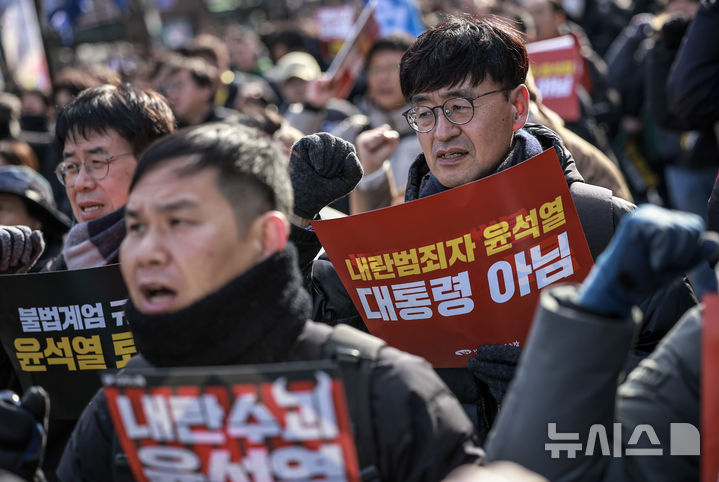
(264, 62)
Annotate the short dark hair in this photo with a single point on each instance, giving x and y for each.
(138, 115)
(394, 43)
(463, 48)
(252, 173)
(203, 73)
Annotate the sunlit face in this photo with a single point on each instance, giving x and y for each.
(182, 240)
(294, 90)
(458, 154)
(242, 53)
(13, 212)
(383, 84)
(686, 8)
(186, 98)
(92, 198)
(546, 19)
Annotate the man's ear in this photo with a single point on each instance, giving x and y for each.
(519, 98)
(271, 230)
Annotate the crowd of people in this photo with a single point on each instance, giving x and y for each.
(203, 185)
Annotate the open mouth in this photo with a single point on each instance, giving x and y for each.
(90, 210)
(156, 297)
(451, 156)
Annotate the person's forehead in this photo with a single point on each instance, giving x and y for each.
(10, 199)
(173, 175)
(385, 56)
(92, 140)
(464, 89)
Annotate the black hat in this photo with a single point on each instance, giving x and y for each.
(31, 186)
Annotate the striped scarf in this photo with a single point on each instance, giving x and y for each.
(95, 243)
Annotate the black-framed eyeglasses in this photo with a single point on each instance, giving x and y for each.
(457, 110)
(67, 171)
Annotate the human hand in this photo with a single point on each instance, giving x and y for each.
(320, 91)
(651, 247)
(323, 168)
(374, 146)
(495, 365)
(21, 247)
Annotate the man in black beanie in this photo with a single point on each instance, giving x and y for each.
(213, 281)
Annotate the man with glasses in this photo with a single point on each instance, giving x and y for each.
(100, 135)
(464, 80)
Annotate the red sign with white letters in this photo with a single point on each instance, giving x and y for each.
(557, 68)
(444, 274)
(710, 390)
(285, 421)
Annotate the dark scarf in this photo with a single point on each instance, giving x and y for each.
(255, 318)
(95, 243)
(525, 147)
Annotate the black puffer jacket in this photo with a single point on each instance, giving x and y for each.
(420, 432)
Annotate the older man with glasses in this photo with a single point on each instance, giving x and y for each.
(464, 80)
(101, 134)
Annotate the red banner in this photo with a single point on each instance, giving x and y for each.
(557, 68)
(250, 423)
(348, 63)
(710, 390)
(442, 275)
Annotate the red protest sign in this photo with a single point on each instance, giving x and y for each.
(442, 275)
(253, 423)
(557, 66)
(346, 66)
(333, 23)
(710, 390)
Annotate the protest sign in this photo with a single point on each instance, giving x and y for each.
(444, 274)
(22, 47)
(557, 67)
(286, 421)
(710, 390)
(333, 24)
(346, 66)
(61, 329)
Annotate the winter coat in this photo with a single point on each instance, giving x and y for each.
(577, 396)
(419, 430)
(693, 149)
(594, 166)
(693, 82)
(599, 220)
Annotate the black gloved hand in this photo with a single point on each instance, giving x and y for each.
(23, 429)
(21, 247)
(495, 365)
(323, 168)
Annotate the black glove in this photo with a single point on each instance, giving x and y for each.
(23, 429)
(495, 365)
(323, 168)
(21, 247)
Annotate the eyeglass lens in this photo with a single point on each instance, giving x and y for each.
(457, 111)
(97, 169)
